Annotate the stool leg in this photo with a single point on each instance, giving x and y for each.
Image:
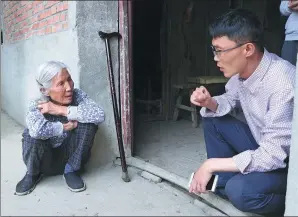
(178, 102)
(194, 115)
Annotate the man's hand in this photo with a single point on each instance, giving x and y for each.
(201, 97)
(201, 179)
(51, 108)
(293, 5)
(204, 173)
(70, 125)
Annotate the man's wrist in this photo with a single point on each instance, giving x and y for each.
(213, 105)
(221, 165)
(210, 165)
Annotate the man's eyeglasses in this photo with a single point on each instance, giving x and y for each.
(219, 52)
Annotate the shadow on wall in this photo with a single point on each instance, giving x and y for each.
(101, 152)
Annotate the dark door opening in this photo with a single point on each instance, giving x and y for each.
(170, 43)
(146, 65)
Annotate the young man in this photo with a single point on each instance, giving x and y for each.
(60, 129)
(290, 46)
(250, 158)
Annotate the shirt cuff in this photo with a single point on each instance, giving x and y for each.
(57, 128)
(221, 110)
(243, 160)
(72, 113)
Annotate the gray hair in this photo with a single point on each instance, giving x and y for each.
(47, 71)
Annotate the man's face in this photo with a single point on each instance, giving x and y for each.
(61, 89)
(232, 61)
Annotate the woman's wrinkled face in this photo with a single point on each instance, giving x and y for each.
(61, 90)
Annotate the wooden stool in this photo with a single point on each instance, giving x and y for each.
(193, 83)
(205, 80)
(192, 108)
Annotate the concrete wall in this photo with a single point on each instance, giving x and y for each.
(83, 51)
(292, 185)
(93, 16)
(21, 59)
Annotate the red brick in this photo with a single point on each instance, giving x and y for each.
(56, 18)
(20, 11)
(53, 10)
(49, 13)
(38, 8)
(60, 7)
(34, 19)
(41, 31)
(65, 25)
(57, 27)
(29, 5)
(43, 24)
(50, 3)
(25, 30)
(50, 20)
(23, 3)
(41, 16)
(49, 30)
(16, 34)
(24, 23)
(63, 16)
(35, 3)
(44, 14)
(14, 8)
(18, 19)
(7, 13)
(35, 26)
(27, 15)
(14, 14)
(65, 5)
(29, 21)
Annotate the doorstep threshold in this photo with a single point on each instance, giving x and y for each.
(209, 199)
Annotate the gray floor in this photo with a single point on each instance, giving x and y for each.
(174, 146)
(106, 193)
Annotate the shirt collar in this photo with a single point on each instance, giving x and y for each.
(253, 81)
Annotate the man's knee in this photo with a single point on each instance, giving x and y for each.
(207, 123)
(234, 192)
(211, 122)
(253, 202)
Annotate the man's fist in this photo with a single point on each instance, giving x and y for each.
(200, 97)
(293, 5)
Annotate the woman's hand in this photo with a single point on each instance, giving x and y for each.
(70, 125)
(51, 108)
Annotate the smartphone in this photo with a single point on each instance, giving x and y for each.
(211, 185)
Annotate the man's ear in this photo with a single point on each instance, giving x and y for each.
(250, 49)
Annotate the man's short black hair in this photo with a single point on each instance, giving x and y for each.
(240, 26)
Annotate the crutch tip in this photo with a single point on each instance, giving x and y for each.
(125, 177)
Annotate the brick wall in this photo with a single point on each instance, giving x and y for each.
(27, 19)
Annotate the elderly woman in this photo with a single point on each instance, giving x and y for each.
(61, 130)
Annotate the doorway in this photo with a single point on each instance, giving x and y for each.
(171, 43)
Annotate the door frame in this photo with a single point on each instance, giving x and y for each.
(126, 74)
